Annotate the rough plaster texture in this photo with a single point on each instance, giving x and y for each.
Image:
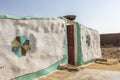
(91, 51)
(47, 40)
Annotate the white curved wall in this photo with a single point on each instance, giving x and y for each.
(47, 39)
(93, 50)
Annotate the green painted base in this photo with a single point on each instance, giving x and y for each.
(40, 73)
(87, 62)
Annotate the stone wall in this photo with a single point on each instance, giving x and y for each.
(108, 40)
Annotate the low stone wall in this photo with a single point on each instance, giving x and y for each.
(30, 45)
(108, 40)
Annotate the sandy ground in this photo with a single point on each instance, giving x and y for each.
(57, 75)
(111, 52)
(112, 67)
(93, 74)
(85, 73)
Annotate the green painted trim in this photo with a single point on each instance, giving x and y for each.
(40, 73)
(66, 42)
(2, 16)
(80, 56)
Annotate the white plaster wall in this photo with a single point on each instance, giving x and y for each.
(93, 51)
(47, 39)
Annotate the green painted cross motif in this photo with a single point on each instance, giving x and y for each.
(20, 45)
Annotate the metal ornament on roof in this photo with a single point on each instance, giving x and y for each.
(20, 46)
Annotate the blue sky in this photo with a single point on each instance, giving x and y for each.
(102, 15)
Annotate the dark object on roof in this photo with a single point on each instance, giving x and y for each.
(70, 17)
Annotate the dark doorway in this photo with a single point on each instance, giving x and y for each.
(70, 38)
